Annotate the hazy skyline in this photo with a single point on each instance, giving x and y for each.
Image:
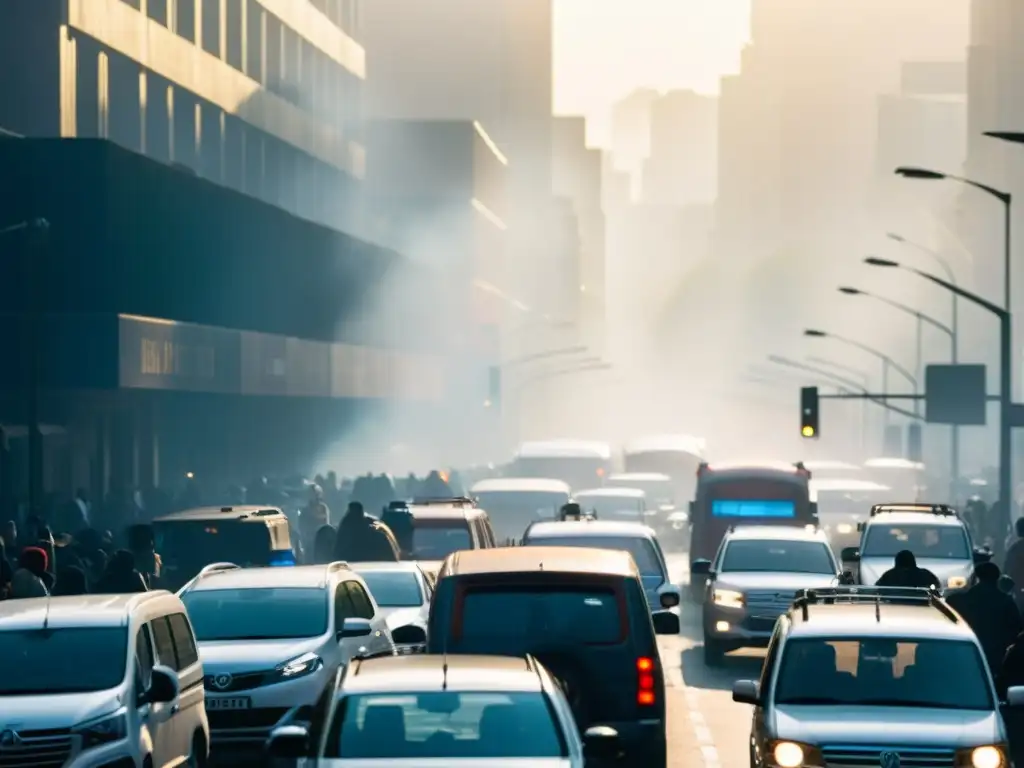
(604, 49)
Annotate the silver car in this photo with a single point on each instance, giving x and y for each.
(403, 592)
(869, 676)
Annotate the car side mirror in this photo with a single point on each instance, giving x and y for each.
(665, 623)
(409, 635)
(746, 692)
(1015, 696)
(601, 742)
(163, 686)
(850, 554)
(288, 742)
(669, 596)
(700, 567)
(354, 628)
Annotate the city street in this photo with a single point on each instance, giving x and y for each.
(706, 728)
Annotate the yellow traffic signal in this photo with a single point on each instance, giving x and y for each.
(809, 412)
(807, 431)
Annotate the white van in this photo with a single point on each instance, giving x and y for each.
(112, 680)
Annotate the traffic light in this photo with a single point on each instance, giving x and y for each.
(809, 412)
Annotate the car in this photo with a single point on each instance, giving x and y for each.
(635, 538)
(271, 638)
(514, 502)
(843, 503)
(614, 502)
(91, 680)
(935, 533)
(403, 592)
(582, 612)
(868, 676)
(436, 710)
(753, 579)
(428, 530)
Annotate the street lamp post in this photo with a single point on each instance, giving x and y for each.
(1005, 371)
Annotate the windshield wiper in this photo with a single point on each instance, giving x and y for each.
(810, 700)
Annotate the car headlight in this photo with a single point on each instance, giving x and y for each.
(844, 528)
(728, 598)
(956, 582)
(788, 754)
(988, 756)
(300, 666)
(103, 730)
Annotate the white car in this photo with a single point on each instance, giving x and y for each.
(100, 680)
(271, 639)
(434, 711)
(403, 591)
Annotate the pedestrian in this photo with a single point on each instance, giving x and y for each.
(905, 573)
(312, 518)
(363, 539)
(991, 613)
(71, 581)
(323, 545)
(1011, 675)
(121, 576)
(29, 579)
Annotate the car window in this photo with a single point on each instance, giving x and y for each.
(883, 671)
(436, 542)
(942, 542)
(640, 547)
(264, 613)
(184, 642)
(394, 589)
(144, 660)
(510, 619)
(466, 725)
(40, 662)
(164, 643)
(769, 555)
(343, 608)
(360, 601)
(770, 659)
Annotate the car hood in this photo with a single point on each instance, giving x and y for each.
(854, 725)
(872, 568)
(446, 762)
(47, 711)
(774, 580)
(235, 656)
(401, 617)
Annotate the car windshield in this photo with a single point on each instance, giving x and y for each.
(641, 548)
(436, 542)
(393, 589)
(941, 542)
(257, 614)
(445, 725)
(68, 660)
(514, 619)
(747, 556)
(884, 672)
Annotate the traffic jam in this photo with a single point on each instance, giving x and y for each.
(521, 621)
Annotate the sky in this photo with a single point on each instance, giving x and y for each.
(604, 49)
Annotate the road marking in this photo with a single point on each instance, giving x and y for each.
(701, 731)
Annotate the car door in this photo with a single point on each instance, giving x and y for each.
(161, 717)
(379, 641)
(192, 698)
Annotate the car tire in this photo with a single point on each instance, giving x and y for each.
(198, 756)
(714, 652)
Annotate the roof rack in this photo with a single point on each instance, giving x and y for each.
(860, 595)
(456, 501)
(924, 509)
(218, 567)
(338, 565)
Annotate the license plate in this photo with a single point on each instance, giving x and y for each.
(233, 702)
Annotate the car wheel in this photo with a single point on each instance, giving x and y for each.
(197, 757)
(714, 652)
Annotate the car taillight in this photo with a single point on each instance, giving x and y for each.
(645, 695)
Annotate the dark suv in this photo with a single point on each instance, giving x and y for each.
(583, 614)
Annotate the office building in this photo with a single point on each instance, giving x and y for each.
(259, 95)
(681, 167)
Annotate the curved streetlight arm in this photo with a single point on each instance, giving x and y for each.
(971, 297)
(915, 312)
(863, 377)
(1006, 197)
(880, 355)
(939, 258)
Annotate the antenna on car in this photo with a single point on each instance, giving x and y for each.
(46, 615)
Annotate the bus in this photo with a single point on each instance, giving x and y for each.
(843, 503)
(749, 493)
(677, 456)
(906, 478)
(580, 463)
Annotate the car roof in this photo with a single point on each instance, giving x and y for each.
(551, 449)
(893, 463)
(584, 560)
(424, 673)
(296, 577)
(411, 566)
(755, 468)
(776, 533)
(638, 477)
(221, 514)
(76, 611)
(611, 493)
(916, 518)
(847, 484)
(521, 484)
(595, 528)
(892, 620)
(666, 443)
(443, 511)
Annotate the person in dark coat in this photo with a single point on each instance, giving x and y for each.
(991, 613)
(323, 544)
(29, 580)
(70, 581)
(363, 539)
(6, 571)
(121, 577)
(905, 573)
(1011, 675)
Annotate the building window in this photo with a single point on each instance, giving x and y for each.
(185, 19)
(211, 27)
(254, 49)
(136, 4)
(103, 95)
(235, 33)
(157, 11)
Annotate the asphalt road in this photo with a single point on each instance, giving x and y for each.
(706, 729)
